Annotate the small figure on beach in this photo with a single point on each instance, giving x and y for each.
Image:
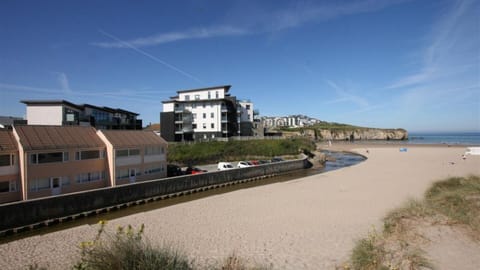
(368, 152)
(464, 157)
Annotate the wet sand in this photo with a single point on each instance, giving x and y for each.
(308, 223)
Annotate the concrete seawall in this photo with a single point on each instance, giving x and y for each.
(51, 209)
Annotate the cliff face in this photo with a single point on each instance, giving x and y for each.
(352, 134)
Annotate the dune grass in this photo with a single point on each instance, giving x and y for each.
(127, 249)
(456, 200)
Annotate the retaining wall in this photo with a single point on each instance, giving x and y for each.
(25, 213)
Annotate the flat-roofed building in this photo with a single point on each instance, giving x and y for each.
(10, 185)
(134, 155)
(206, 114)
(60, 159)
(65, 113)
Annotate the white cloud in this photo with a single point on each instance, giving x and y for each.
(346, 96)
(447, 54)
(260, 22)
(63, 82)
(152, 57)
(197, 33)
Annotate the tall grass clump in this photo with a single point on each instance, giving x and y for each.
(127, 249)
(458, 199)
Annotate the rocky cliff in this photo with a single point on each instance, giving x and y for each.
(350, 134)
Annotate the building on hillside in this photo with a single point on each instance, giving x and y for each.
(65, 113)
(134, 155)
(206, 114)
(292, 121)
(60, 159)
(10, 188)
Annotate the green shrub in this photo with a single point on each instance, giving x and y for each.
(213, 152)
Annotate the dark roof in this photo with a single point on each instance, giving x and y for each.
(132, 138)
(51, 102)
(226, 87)
(57, 137)
(7, 141)
(78, 106)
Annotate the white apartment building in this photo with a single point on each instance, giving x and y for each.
(205, 114)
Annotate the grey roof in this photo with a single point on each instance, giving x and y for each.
(226, 87)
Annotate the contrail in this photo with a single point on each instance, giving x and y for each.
(151, 56)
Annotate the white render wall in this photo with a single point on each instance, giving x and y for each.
(168, 107)
(208, 109)
(202, 94)
(45, 115)
(247, 115)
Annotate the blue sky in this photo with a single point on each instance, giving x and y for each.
(388, 64)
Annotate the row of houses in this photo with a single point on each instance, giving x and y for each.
(44, 160)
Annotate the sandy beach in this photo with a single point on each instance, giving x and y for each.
(308, 223)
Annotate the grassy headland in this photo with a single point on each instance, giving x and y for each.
(212, 152)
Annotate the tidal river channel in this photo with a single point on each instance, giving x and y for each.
(335, 160)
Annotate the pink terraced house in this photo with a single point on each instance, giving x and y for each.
(10, 188)
(134, 155)
(40, 161)
(60, 159)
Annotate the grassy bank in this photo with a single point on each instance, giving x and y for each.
(452, 202)
(213, 152)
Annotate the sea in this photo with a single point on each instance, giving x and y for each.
(450, 138)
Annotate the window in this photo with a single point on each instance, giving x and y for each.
(39, 158)
(40, 184)
(83, 155)
(154, 169)
(65, 181)
(194, 115)
(122, 153)
(153, 150)
(248, 107)
(204, 115)
(6, 160)
(122, 173)
(187, 97)
(134, 152)
(194, 126)
(212, 125)
(4, 187)
(197, 97)
(204, 126)
(194, 106)
(212, 115)
(216, 94)
(127, 152)
(90, 177)
(209, 95)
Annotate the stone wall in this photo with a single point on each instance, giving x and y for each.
(25, 213)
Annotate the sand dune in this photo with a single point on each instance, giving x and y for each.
(308, 223)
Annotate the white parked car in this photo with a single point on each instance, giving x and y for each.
(244, 164)
(224, 166)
